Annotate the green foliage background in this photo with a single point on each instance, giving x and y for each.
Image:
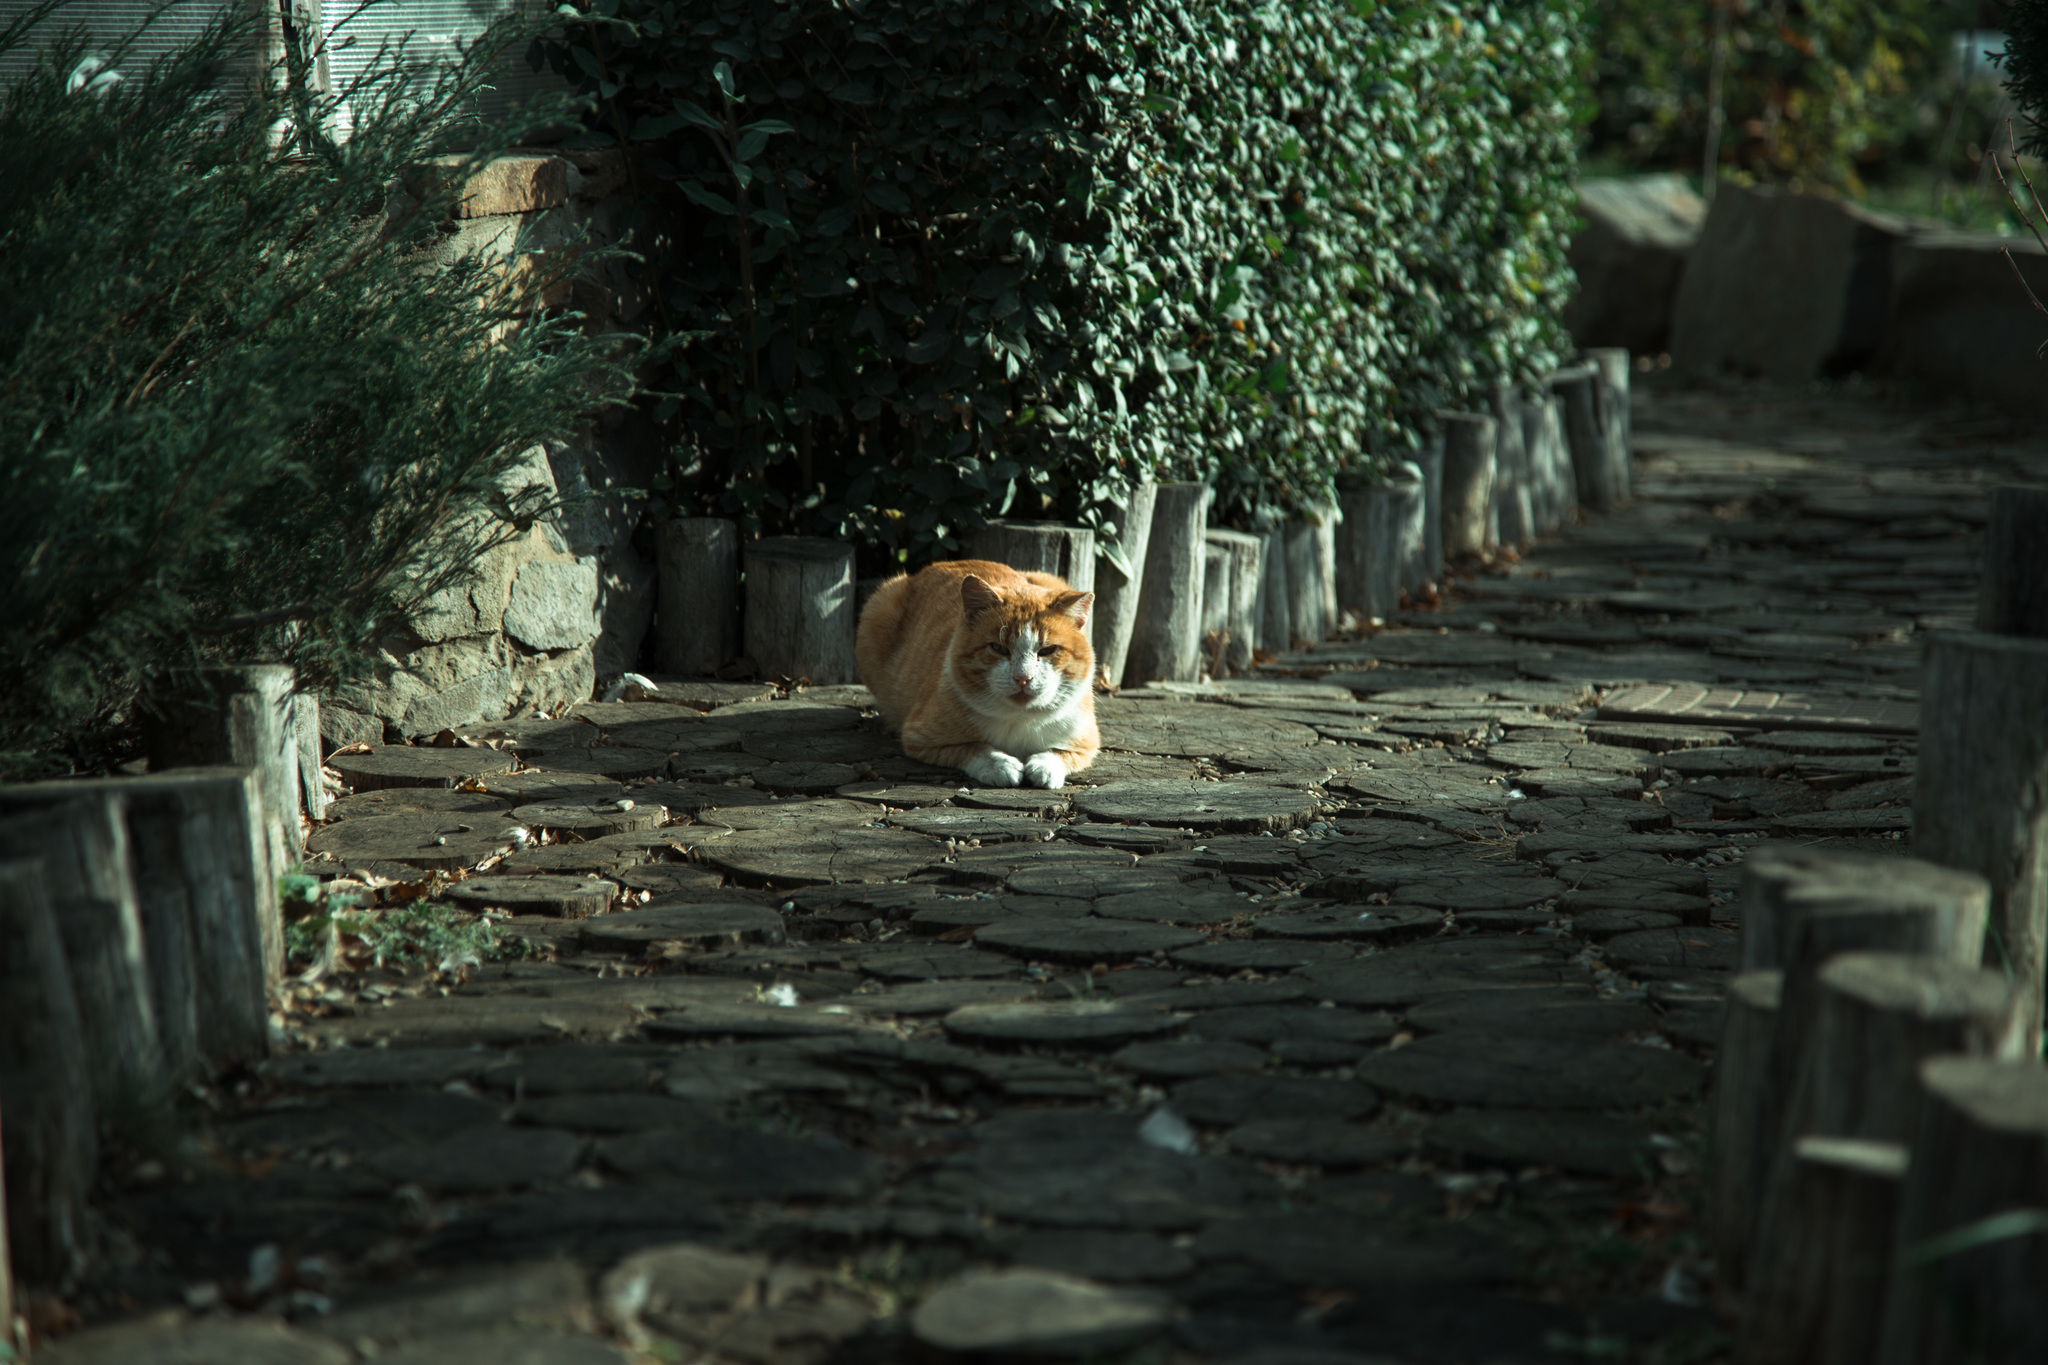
(959, 260)
(2026, 69)
(240, 418)
(1831, 92)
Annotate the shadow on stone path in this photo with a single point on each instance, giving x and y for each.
(1361, 1009)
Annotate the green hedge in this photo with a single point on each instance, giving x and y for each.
(944, 261)
(242, 421)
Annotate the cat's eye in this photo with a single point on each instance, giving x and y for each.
(1050, 651)
(996, 649)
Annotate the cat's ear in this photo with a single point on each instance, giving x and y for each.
(1075, 606)
(977, 596)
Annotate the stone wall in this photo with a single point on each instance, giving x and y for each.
(565, 601)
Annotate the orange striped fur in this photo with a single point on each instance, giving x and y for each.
(983, 668)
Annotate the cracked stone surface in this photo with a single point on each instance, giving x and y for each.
(1330, 1016)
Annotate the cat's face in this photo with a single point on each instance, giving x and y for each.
(1022, 651)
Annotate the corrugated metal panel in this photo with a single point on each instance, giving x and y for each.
(354, 32)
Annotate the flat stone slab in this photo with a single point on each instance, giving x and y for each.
(1227, 1101)
(824, 856)
(379, 1068)
(416, 801)
(1185, 1058)
(672, 879)
(1828, 743)
(1480, 891)
(1270, 1024)
(441, 842)
(999, 863)
(1564, 814)
(657, 923)
(1030, 800)
(1694, 704)
(934, 962)
(1540, 1014)
(955, 912)
(1031, 1311)
(899, 795)
(699, 1022)
(1393, 980)
(1881, 820)
(1138, 839)
(1088, 940)
(407, 765)
(725, 1162)
(1606, 923)
(1104, 1255)
(1235, 807)
(1658, 739)
(1092, 1023)
(593, 821)
(535, 787)
(1315, 1142)
(1463, 788)
(1350, 922)
(1532, 1073)
(1592, 1144)
(536, 895)
(1171, 730)
(939, 997)
(804, 779)
(1094, 878)
(849, 749)
(1263, 955)
(488, 1157)
(1578, 782)
(199, 1342)
(1696, 948)
(1738, 761)
(617, 762)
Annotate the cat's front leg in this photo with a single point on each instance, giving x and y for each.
(1045, 769)
(994, 768)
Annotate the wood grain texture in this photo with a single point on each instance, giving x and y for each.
(1245, 576)
(1065, 552)
(1744, 1121)
(1469, 442)
(1116, 592)
(800, 609)
(697, 614)
(1166, 641)
(2015, 594)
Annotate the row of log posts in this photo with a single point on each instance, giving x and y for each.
(1481, 480)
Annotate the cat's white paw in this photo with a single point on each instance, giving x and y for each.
(1045, 770)
(994, 768)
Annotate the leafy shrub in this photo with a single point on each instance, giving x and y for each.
(242, 419)
(952, 261)
(2026, 68)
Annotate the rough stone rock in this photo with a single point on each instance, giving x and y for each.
(1091, 1023)
(577, 896)
(1316, 1142)
(1590, 1143)
(1227, 1101)
(1514, 1072)
(443, 842)
(1629, 257)
(1031, 1311)
(404, 765)
(690, 923)
(1201, 805)
(1085, 940)
(553, 605)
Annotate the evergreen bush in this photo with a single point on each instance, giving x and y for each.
(960, 260)
(241, 419)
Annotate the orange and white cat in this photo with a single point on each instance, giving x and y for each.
(980, 667)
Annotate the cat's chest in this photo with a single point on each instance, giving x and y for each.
(1029, 732)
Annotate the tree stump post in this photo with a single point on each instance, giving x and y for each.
(211, 930)
(1066, 552)
(2014, 600)
(1246, 574)
(697, 603)
(1273, 628)
(1428, 567)
(1116, 591)
(1514, 513)
(1599, 463)
(83, 846)
(240, 716)
(800, 618)
(306, 724)
(1553, 487)
(1744, 1122)
(1215, 606)
(1612, 364)
(1310, 546)
(1166, 642)
(1877, 1016)
(1964, 1288)
(1468, 475)
(1380, 547)
(1980, 797)
(52, 1138)
(1822, 1265)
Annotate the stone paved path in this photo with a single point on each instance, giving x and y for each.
(1364, 1006)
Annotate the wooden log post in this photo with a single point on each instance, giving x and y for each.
(1310, 576)
(1877, 1016)
(1428, 567)
(1215, 606)
(1246, 573)
(52, 1138)
(1166, 642)
(1823, 1264)
(800, 617)
(1744, 1123)
(1514, 514)
(1973, 1220)
(2014, 600)
(1469, 442)
(1065, 552)
(1553, 488)
(697, 603)
(211, 930)
(1355, 499)
(1273, 630)
(306, 725)
(83, 846)
(1119, 587)
(1599, 461)
(1612, 364)
(239, 716)
(1980, 797)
